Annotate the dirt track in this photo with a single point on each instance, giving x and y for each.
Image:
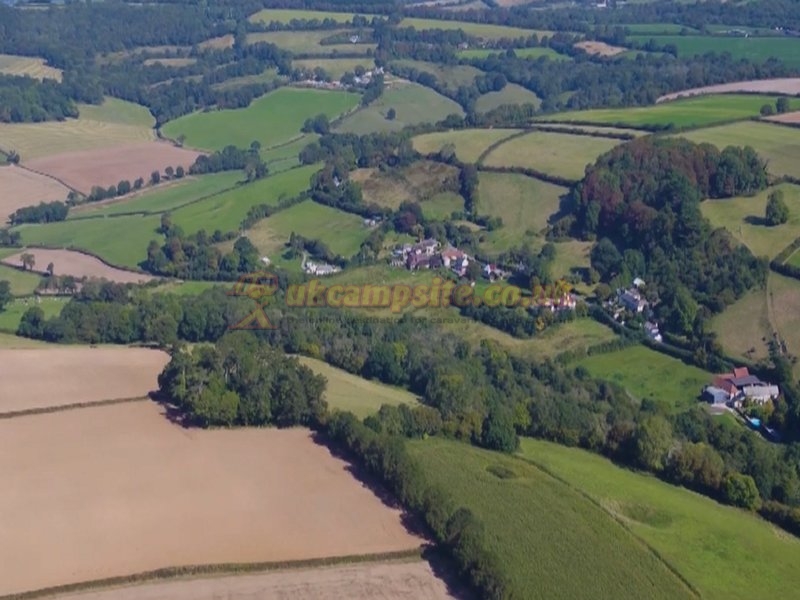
(77, 264)
(376, 581)
(37, 378)
(108, 166)
(20, 188)
(789, 85)
(107, 491)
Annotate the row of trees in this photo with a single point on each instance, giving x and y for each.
(44, 212)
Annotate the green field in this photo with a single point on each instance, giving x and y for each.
(783, 306)
(272, 119)
(779, 145)
(27, 66)
(557, 154)
(524, 204)
(413, 103)
(648, 374)
(451, 76)
(227, 210)
(162, 198)
(744, 218)
(269, 15)
(9, 340)
(267, 76)
(481, 30)
(188, 288)
(552, 542)
(283, 157)
(308, 42)
(511, 94)
(418, 182)
(469, 143)
(442, 205)
(657, 28)
(113, 123)
(118, 240)
(570, 256)
(23, 283)
(534, 53)
(335, 67)
(350, 392)
(755, 49)
(12, 315)
(743, 328)
(726, 553)
(342, 232)
(686, 112)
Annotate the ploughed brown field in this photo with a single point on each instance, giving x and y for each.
(20, 188)
(108, 166)
(790, 117)
(600, 48)
(77, 264)
(112, 490)
(56, 376)
(787, 85)
(373, 581)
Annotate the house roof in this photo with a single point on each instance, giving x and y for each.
(742, 381)
(741, 372)
(722, 382)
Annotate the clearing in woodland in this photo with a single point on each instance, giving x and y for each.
(419, 181)
(77, 264)
(270, 120)
(523, 203)
(510, 94)
(113, 123)
(412, 103)
(724, 552)
(360, 396)
(744, 218)
(469, 143)
(481, 30)
(395, 580)
(28, 66)
(310, 42)
(558, 154)
(23, 188)
(539, 527)
(686, 112)
(104, 167)
(777, 144)
(128, 491)
(63, 375)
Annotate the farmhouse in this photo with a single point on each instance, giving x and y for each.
(632, 300)
(455, 259)
(738, 388)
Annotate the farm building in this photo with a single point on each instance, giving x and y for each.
(740, 387)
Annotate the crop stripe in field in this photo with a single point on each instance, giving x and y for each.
(672, 569)
(216, 569)
(44, 410)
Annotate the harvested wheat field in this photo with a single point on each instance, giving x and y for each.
(792, 118)
(113, 490)
(600, 48)
(371, 581)
(58, 376)
(22, 188)
(108, 166)
(77, 264)
(788, 85)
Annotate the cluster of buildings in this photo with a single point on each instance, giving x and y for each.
(319, 269)
(427, 254)
(632, 300)
(739, 388)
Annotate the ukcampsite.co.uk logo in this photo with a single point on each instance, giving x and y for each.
(439, 293)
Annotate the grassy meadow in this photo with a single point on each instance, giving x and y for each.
(651, 375)
(442, 205)
(417, 182)
(570, 256)
(285, 156)
(532, 53)
(113, 123)
(524, 204)
(552, 542)
(27, 66)
(744, 218)
(724, 552)
(778, 145)
(469, 143)
(308, 42)
(162, 198)
(664, 28)
(11, 316)
(413, 103)
(743, 328)
(481, 30)
(272, 119)
(279, 15)
(22, 282)
(511, 94)
(755, 49)
(356, 394)
(450, 76)
(557, 154)
(266, 76)
(686, 112)
(783, 306)
(342, 232)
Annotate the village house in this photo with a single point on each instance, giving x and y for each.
(632, 300)
(739, 387)
(493, 273)
(652, 331)
(455, 259)
(565, 301)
